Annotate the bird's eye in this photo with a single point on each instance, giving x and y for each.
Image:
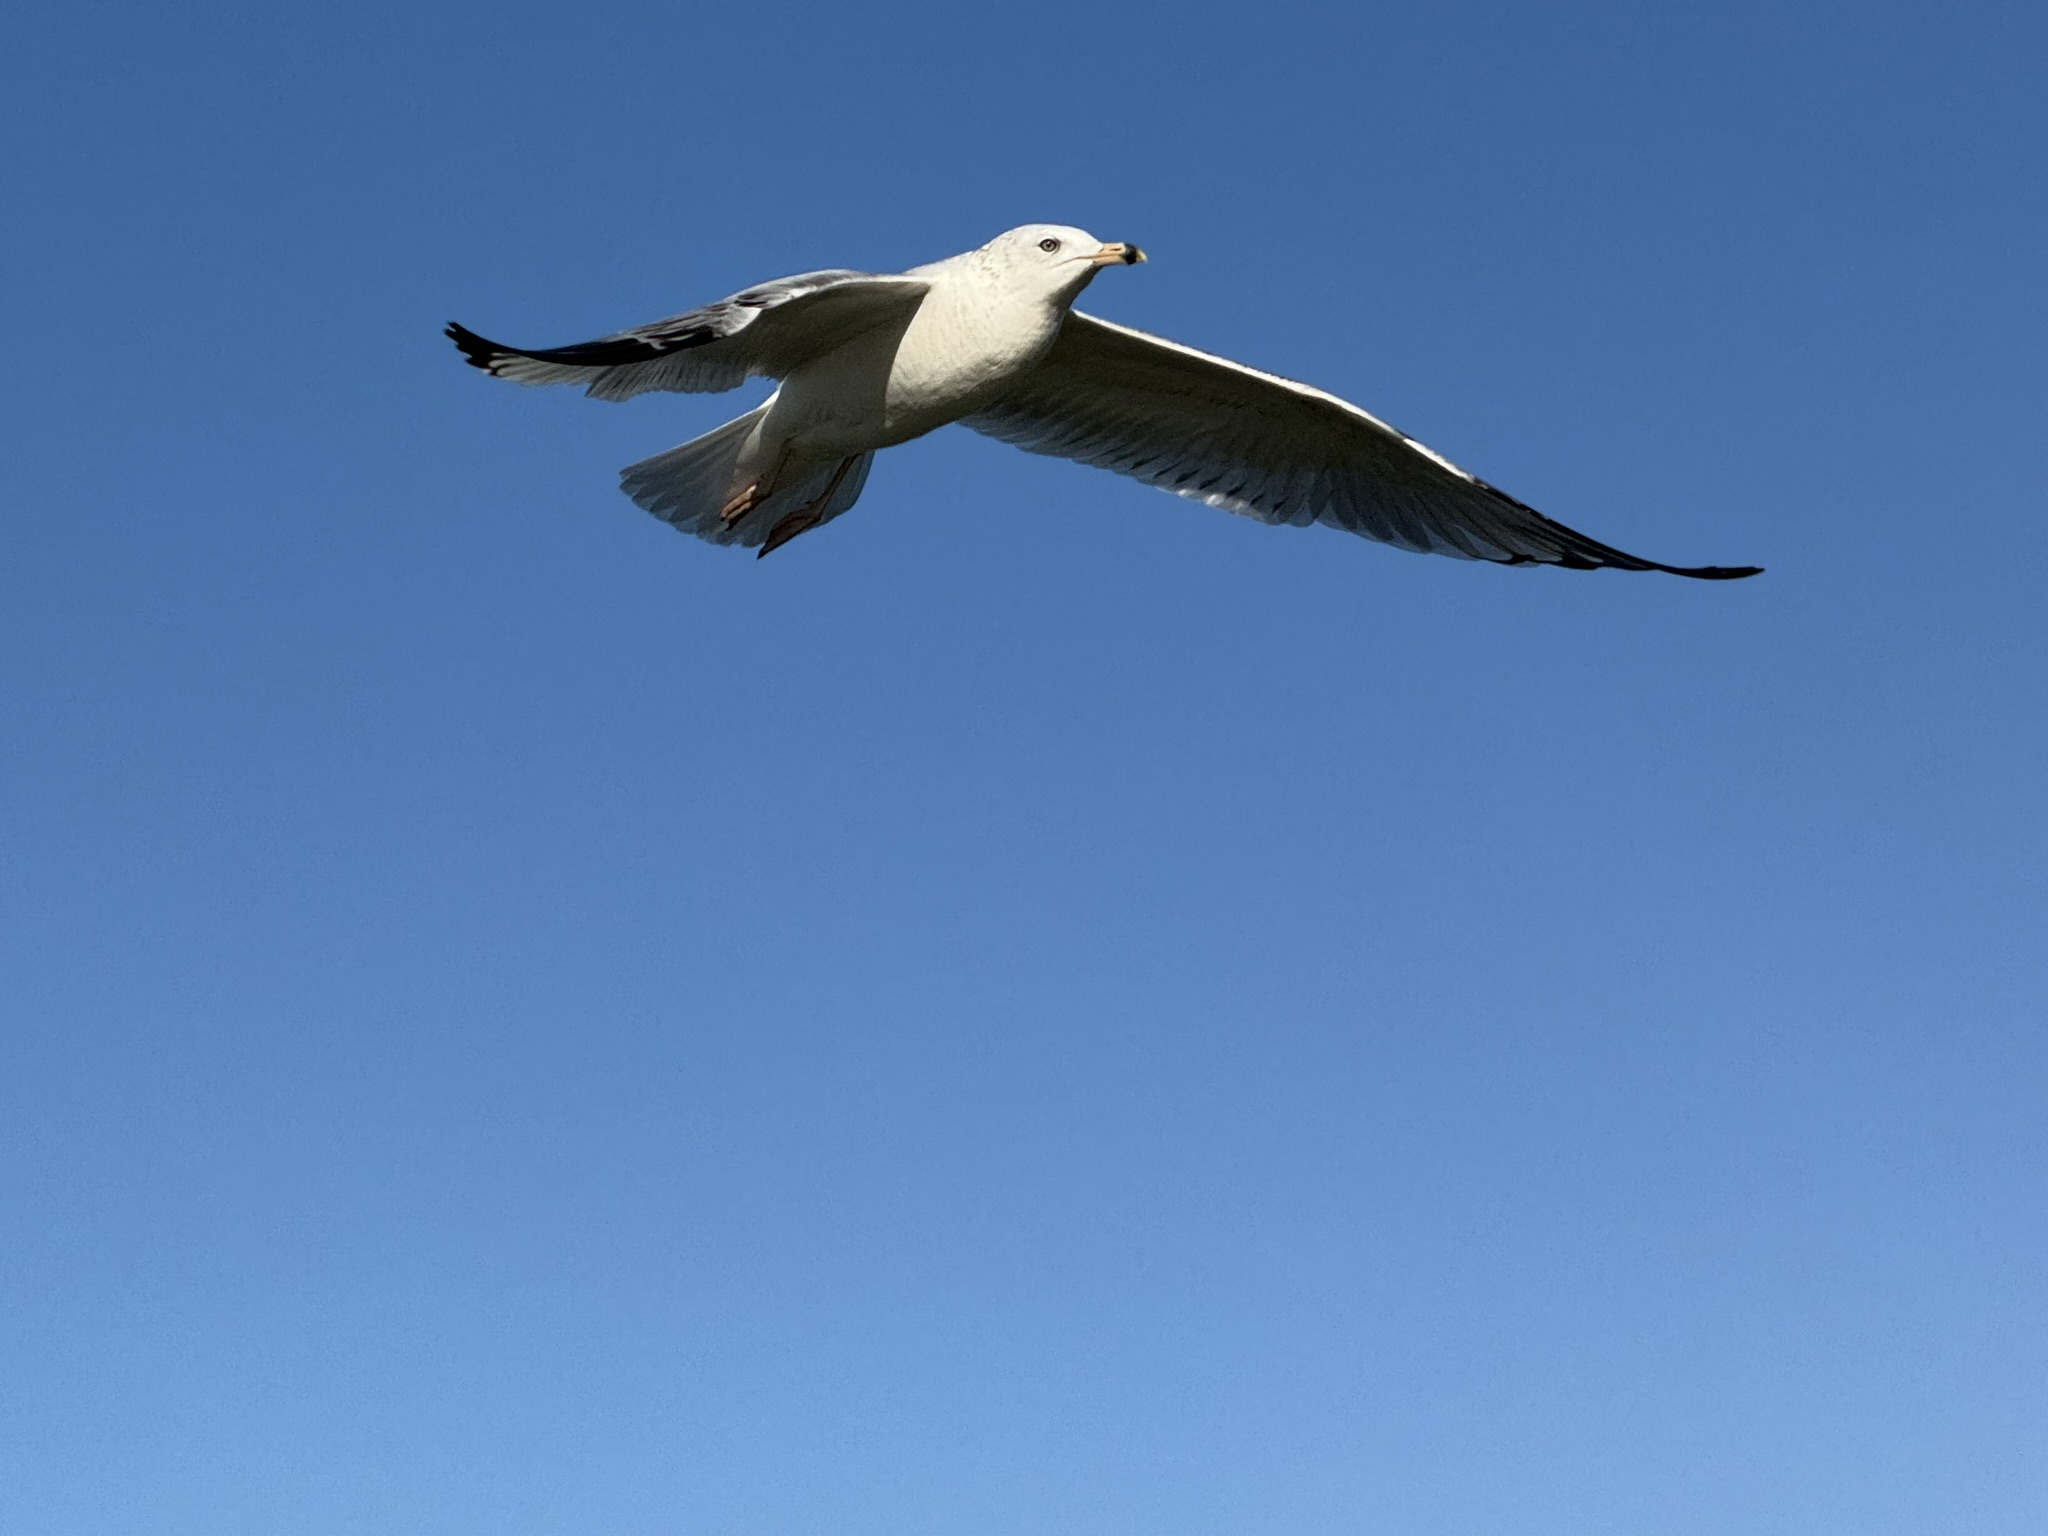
(1048, 245)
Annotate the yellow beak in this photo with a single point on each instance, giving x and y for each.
(1119, 253)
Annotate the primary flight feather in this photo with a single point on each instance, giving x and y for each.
(989, 339)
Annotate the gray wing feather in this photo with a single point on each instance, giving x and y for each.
(763, 332)
(1266, 447)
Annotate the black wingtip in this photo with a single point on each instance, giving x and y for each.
(1714, 572)
(479, 352)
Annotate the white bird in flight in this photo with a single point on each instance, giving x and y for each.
(988, 339)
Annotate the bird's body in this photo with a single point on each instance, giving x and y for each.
(972, 335)
(988, 338)
(948, 357)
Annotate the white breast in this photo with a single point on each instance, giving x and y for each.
(969, 338)
(961, 347)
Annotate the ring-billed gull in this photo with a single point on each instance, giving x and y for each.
(989, 339)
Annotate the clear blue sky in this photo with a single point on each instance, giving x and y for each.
(1041, 1008)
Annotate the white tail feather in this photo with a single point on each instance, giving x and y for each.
(690, 486)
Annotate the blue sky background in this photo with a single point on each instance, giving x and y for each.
(1041, 1007)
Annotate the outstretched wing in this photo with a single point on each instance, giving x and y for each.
(1218, 432)
(761, 333)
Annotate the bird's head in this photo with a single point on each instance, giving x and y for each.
(1056, 259)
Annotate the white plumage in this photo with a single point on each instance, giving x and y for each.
(989, 339)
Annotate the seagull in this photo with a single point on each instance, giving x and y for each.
(990, 339)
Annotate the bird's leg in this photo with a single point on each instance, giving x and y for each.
(757, 491)
(742, 504)
(810, 514)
